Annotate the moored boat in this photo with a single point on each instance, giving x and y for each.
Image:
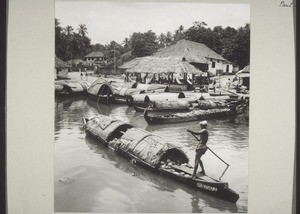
(67, 88)
(194, 115)
(145, 99)
(151, 151)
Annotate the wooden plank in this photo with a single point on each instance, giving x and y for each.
(190, 171)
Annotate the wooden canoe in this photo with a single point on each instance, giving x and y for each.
(144, 99)
(153, 152)
(194, 115)
(152, 109)
(202, 182)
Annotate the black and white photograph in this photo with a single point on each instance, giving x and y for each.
(151, 107)
(144, 106)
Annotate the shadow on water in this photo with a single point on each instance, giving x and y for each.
(67, 101)
(198, 200)
(102, 108)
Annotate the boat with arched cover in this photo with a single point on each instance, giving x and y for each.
(153, 152)
(196, 114)
(68, 88)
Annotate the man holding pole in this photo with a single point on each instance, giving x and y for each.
(201, 147)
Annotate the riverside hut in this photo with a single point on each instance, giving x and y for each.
(61, 69)
(175, 72)
(243, 77)
(197, 54)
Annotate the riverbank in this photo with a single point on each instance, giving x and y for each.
(221, 81)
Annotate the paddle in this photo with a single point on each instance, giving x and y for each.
(215, 155)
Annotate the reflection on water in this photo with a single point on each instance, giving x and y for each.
(105, 182)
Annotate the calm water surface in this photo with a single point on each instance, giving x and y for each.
(91, 178)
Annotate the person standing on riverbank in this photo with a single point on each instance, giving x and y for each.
(228, 83)
(201, 147)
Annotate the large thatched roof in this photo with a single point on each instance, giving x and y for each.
(245, 72)
(95, 54)
(131, 63)
(152, 65)
(191, 51)
(60, 64)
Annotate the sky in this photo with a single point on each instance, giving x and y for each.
(107, 21)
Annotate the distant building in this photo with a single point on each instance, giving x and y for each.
(243, 76)
(75, 62)
(94, 57)
(198, 55)
(61, 69)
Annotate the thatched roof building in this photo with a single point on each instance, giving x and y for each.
(245, 72)
(197, 54)
(60, 63)
(95, 54)
(156, 65)
(131, 63)
(191, 51)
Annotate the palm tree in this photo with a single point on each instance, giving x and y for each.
(75, 46)
(180, 29)
(82, 30)
(68, 30)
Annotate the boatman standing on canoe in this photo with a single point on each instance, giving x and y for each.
(201, 147)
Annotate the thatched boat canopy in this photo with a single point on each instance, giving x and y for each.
(245, 72)
(100, 87)
(193, 52)
(104, 128)
(148, 148)
(72, 85)
(158, 65)
(151, 97)
(144, 147)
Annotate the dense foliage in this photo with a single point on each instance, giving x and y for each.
(233, 44)
(70, 44)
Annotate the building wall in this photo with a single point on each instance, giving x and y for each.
(230, 68)
(219, 65)
(92, 59)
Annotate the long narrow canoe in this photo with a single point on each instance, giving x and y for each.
(154, 153)
(154, 109)
(202, 182)
(194, 115)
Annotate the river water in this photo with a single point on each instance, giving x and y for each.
(91, 178)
